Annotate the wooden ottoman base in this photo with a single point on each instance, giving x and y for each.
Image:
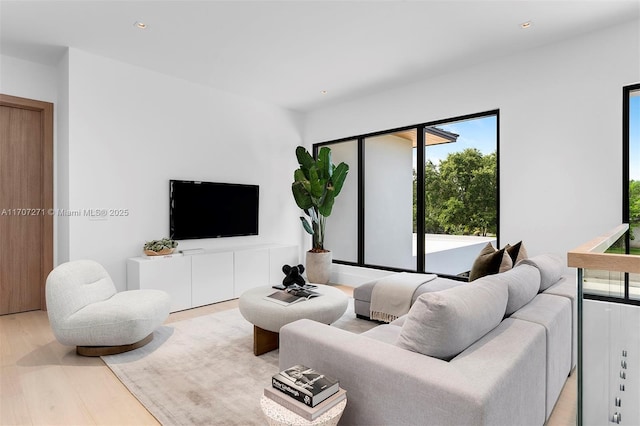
(264, 340)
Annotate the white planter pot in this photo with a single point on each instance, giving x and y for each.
(318, 267)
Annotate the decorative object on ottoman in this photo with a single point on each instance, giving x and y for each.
(86, 311)
(316, 185)
(160, 247)
(293, 275)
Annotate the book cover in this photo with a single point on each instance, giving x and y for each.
(304, 287)
(305, 384)
(302, 292)
(283, 298)
(304, 411)
(290, 296)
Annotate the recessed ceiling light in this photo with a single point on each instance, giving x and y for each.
(141, 25)
(323, 92)
(526, 25)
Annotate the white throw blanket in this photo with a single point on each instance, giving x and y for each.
(391, 296)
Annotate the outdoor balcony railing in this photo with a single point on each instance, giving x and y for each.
(608, 320)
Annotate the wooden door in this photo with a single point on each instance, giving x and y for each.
(26, 202)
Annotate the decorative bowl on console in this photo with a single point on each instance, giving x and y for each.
(161, 247)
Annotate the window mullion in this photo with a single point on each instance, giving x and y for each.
(420, 200)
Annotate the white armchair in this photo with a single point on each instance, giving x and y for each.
(86, 311)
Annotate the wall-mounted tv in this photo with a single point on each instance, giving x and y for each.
(212, 210)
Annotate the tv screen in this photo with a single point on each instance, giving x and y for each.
(212, 210)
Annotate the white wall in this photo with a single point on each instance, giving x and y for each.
(560, 131)
(121, 132)
(27, 79)
(132, 130)
(61, 165)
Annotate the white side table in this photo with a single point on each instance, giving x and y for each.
(277, 415)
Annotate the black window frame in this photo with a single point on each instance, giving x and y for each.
(626, 107)
(626, 129)
(420, 261)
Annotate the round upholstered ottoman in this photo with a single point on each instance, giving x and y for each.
(268, 317)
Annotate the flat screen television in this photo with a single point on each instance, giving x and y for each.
(212, 210)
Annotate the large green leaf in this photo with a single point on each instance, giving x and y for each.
(325, 208)
(317, 184)
(339, 176)
(299, 176)
(304, 158)
(306, 225)
(301, 195)
(324, 163)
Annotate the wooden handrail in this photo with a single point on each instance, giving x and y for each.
(591, 255)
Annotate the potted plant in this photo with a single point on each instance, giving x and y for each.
(160, 247)
(316, 184)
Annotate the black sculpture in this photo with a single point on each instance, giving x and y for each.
(293, 275)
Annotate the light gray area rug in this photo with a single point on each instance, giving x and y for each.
(202, 371)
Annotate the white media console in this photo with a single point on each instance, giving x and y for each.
(211, 276)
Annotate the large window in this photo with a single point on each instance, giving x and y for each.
(631, 178)
(632, 152)
(422, 198)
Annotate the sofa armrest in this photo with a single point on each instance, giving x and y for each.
(385, 384)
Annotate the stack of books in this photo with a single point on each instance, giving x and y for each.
(305, 391)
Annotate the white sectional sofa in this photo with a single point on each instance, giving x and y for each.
(496, 351)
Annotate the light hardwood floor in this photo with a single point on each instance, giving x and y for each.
(43, 382)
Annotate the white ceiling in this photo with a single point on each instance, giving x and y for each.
(287, 52)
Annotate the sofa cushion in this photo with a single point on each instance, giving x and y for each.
(515, 354)
(444, 323)
(554, 314)
(567, 287)
(551, 268)
(387, 333)
(490, 261)
(523, 283)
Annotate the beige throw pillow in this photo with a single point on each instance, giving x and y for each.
(490, 261)
(517, 252)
